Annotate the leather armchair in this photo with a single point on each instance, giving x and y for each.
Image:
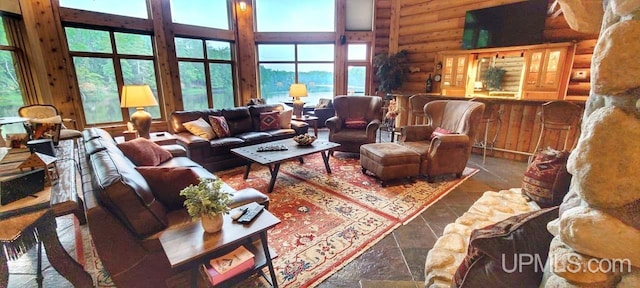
(324, 110)
(444, 154)
(353, 107)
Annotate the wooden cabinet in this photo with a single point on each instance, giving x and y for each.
(454, 74)
(545, 72)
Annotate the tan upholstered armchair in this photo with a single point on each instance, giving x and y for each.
(449, 153)
(349, 108)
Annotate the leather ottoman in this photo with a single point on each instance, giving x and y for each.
(389, 161)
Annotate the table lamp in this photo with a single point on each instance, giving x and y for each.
(139, 96)
(296, 91)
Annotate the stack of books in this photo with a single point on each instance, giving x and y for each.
(224, 267)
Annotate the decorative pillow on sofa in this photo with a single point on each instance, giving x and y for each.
(285, 118)
(269, 120)
(546, 180)
(355, 123)
(200, 128)
(500, 255)
(166, 183)
(220, 126)
(144, 152)
(439, 132)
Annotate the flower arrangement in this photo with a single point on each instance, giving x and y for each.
(392, 110)
(206, 198)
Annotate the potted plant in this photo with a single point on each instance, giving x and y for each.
(494, 76)
(208, 202)
(390, 70)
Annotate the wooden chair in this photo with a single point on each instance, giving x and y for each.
(40, 111)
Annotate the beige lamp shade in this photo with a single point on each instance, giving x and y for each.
(137, 96)
(298, 90)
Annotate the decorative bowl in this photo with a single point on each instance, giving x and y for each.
(304, 139)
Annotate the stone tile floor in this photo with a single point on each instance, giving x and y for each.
(396, 261)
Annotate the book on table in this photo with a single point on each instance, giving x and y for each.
(224, 267)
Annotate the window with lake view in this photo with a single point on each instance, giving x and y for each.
(104, 61)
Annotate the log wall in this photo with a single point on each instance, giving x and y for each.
(428, 27)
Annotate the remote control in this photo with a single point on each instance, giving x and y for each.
(239, 212)
(250, 214)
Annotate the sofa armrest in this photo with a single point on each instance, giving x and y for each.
(415, 133)
(248, 195)
(198, 148)
(300, 127)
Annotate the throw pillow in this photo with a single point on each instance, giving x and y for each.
(500, 255)
(269, 120)
(166, 183)
(285, 118)
(220, 126)
(439, 132)
(144, 152)
(200, 128)
(355, 123)
(546, 180)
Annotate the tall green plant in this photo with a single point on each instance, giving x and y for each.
(391, 70)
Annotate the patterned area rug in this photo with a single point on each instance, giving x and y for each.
(327, 219)
(330, 219)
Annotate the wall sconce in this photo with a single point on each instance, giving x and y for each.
(243, 6)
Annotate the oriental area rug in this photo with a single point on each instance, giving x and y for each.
(327, 219)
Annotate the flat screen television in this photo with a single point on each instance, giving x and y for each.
(514, 24)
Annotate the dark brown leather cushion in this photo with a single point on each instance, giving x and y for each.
(126, 193)
(497, 253)
(167, 182)
(144, 152)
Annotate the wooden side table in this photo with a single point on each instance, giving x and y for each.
(188, 246)
(20, 233)
(311, 120)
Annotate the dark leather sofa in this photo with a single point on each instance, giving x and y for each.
(244, 124)
(125, 218)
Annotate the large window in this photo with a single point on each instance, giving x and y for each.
(205, 13)
(11, 97)
(295, 15)
(284, 64)
(132, 8)
(206, 73)
(104, 61)
(357, 66)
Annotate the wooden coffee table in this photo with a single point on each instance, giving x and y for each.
(274, 158)
(188, 246)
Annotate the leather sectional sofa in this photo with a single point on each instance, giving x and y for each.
(244, 125)
(125, 217)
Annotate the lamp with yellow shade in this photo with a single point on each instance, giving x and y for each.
(139, 96)
(296, 91)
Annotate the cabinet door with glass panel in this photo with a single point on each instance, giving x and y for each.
(454, 74)
(544, 68)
